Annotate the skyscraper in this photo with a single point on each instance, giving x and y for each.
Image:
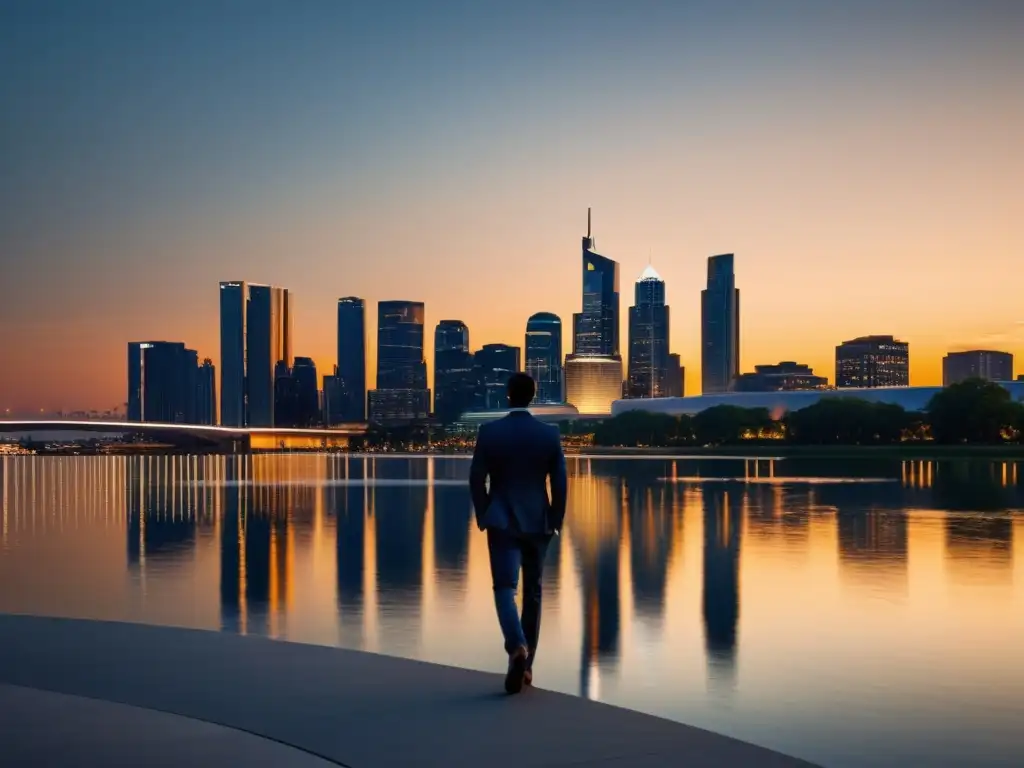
(590, 371)
(234, 301)
(206, 393)
(401, 393)
(400, 363)
(162, 382)
(873, 361)
(307, 392)
(255, 334)
(596, 327)
(349, 402)
(720, 326)
(454, 381)
(544, 356)
(648, 338)
(494, 365)
(268, 342)
(977, 364)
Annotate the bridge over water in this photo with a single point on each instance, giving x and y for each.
(196, 436)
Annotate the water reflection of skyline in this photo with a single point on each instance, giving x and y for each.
(400, 549)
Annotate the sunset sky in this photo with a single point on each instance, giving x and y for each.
(864, 162)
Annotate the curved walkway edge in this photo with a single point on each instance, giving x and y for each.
(352, 708)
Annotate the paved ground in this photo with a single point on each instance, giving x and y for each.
(77, 693)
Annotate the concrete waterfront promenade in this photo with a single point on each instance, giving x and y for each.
(77, 693)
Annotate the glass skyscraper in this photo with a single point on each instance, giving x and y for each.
(349, 402)
(234, 301)
(649, 338)
(596, 327)
(720, 326)
(255, 334)
(268, 342)
(454, 378)
(206, 388)
(544, 356)
(494, 365)
(593, 372)
(163, 382)
(401, 393)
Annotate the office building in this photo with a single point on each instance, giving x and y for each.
(399, 407)
(595, 365)
(162, 382)
(544, 357)
(676, 380)
(593, 383)
(596, 327)
(454, 377)
(977, 364)
(206, 393)
(334, 398)
(402, 394)
(720, 326)
(494, 365)
(349, 401)
(307, 392)
(872, 361)
(784, 377)
(286, 396)
(648, 338)
(255, 334)
(268, 341)
(234, 301)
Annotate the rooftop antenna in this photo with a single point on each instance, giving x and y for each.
(588, 222)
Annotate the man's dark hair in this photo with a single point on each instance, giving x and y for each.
(521, 390)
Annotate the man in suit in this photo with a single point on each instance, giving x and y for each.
(518, 454)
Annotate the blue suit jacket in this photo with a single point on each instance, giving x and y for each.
(518, 453)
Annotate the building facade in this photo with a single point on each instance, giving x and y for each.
(595, 363)
(782, 377)
(255, 334)
(596, 327)
(676, 379)
(206, 389)
(454, 376)
(401, 368)
(268, 341)
(234, 301)
(399, 407)
(593, 383)
(163, 383)
(977, 364)
(544, 357)
(720, 326)
(494, 365)
(872, 361)
(648, 338)
(349, 401)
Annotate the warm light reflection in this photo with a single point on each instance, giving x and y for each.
(674, 580)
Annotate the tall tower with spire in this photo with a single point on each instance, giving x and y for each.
(593, 372)
(596, 326)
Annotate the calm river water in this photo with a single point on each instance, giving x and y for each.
(852, 613)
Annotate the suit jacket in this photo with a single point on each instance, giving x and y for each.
(518, 454)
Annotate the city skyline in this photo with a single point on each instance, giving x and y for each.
(377, 161)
